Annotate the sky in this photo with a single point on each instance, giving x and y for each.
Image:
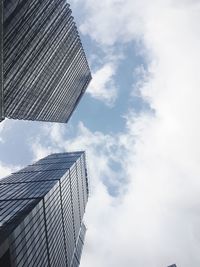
(139, 124)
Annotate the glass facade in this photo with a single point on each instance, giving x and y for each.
(41, 212)
(45, 71)
(1, 61)
(79, 247)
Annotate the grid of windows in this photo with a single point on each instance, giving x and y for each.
(41, 213)
(33, 176)
(1, 62)
(45, 71)
(79, 246)
(9, 208)
(54, 224)
(11, 213)
(25, 190)
(28, 246)
(68, 216)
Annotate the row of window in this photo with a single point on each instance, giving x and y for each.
(45, 68)
(50, 231)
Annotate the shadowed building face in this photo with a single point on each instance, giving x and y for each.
(1, 62)
(44, 71)
(41, 213)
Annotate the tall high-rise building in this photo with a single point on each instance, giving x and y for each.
(41, 213)
(44, 71)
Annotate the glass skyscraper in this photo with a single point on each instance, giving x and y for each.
(44, 71)
(41, 213)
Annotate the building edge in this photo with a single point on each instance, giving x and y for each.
(21, 215)
(1, 63)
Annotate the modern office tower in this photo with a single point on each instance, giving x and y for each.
(41, 213)
(1, 61)
(44, 71)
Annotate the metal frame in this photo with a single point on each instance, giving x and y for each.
(45, 67)
(55, 210)
(1, 63)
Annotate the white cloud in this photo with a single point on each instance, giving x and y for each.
(6, 169)
(40, 151)
(40, 147)
(155, 219)
(102, 86)
(4, 126)
(96, 144)
(109, 21)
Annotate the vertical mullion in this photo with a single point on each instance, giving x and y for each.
(46, 234)
(61, 202)
(1, 63)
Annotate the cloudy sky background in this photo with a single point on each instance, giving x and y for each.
(139, 124)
